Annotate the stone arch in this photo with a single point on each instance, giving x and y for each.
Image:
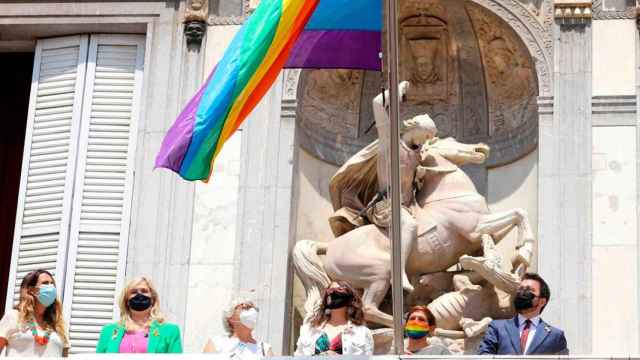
(333, 108)
(534, 31)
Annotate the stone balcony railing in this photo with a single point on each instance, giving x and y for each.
(378, 357)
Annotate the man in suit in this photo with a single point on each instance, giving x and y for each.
(526, 333)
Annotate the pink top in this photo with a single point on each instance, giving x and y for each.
(134, 342)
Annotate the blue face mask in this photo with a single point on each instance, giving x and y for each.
(47, 295)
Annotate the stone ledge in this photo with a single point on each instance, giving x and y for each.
(380, 357)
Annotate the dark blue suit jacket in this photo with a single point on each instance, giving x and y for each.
(503, 338)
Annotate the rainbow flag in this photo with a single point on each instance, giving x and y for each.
(335, 34)
(341, 34)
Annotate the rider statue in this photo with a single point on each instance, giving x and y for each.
(359, 188)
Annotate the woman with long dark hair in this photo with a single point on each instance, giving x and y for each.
(35, 327)
(337, 326)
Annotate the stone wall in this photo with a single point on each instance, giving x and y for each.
(615, 190)
(579, 186)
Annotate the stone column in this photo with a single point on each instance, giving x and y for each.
(161, 220)
(262, 244)
(565, 219)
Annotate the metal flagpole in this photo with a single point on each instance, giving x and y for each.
(395, 231)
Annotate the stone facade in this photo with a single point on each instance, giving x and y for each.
(565, 137)
(583, 63)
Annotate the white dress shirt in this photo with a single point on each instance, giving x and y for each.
(20, 342)
(532, 329)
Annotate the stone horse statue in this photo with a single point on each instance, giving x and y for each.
(451, 220)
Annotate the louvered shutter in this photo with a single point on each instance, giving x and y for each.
(46, 183)
(103, 185)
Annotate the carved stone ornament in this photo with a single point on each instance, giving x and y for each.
(197, 10)
(195, 21)
(477, 76)
(572, 10)
(601, 13)
(194, 32)
(248, 6)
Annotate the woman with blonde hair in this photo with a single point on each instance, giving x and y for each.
(337, 326)
(36, 326)
(141, 328)
(239, 320)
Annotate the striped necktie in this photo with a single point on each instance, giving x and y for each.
(525, 335)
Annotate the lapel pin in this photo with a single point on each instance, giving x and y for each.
(547, 328)
(155, 332)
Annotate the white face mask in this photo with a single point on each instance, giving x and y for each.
(249, 318)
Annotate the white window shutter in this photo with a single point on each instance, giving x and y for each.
(103, 185)
(46, 183)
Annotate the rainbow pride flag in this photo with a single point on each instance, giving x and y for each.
(295, 33)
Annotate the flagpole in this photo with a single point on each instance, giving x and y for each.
(395, 231)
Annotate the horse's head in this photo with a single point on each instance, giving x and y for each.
(457, 153)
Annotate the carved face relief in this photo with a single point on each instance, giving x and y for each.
(194, 31)
(425, 58)
(426, 54)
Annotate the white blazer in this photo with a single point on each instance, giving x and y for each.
(356, 340)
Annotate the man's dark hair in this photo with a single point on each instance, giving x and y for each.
(545, 292)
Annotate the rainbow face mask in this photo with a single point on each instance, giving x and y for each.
(416, 329)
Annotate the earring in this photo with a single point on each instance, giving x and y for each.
(351, 311)
(327, 312)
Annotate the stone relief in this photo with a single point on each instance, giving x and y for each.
(535, 34)
(195, 22)
(328, 112)
(425, 47)
(197, 10)
(235, 12)
(471, 72)
(333, 96)
(509, 72)
(612, 10)
(290, 87)
(534, 6)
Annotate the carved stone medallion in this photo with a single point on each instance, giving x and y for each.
(469, 70)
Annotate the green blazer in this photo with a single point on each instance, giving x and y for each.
(164, 338)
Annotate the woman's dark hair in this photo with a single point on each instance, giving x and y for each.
(422, 308)
(354, 310)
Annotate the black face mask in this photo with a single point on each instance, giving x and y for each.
(140, 302)
(523, 299)
(338, 299)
